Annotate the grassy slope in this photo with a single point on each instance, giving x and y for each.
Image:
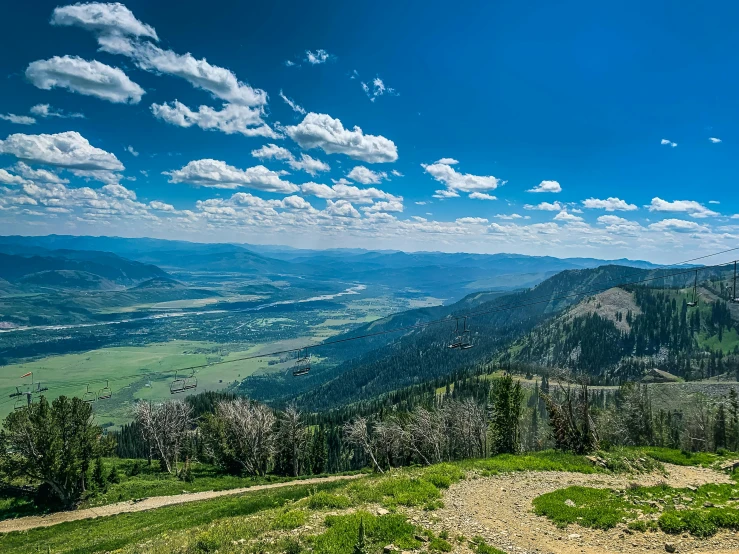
(214, 524)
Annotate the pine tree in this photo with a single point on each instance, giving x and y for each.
(719, 428)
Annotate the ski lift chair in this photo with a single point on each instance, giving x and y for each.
(89, 396)
(191, 382)
(177, 385)
(106, 392)
(694, 302)
(462, 337)
(302, 364)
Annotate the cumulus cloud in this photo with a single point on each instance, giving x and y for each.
(323, 131)
(384, 206)
(610, 204)
(511, 216)
(545, 206)
(293, 105)
(233, 118)
(90, 78)
(351, 193)
(665, 142)
(39, 175)
(679, 226)
(104, 19)
(472, 221)
(691, 207)
(341, 208)
(445, 193)
(306, 163)
(131, 151)
(366, 176)
(564, 215)
(443, 172)
(218, 174)
(18, 119)
(68, 150)
(119, 32)
(7, 178)
(45, 110)
(482, 196)
(318, 57)
(547, 186)
(714, 140)
(161, 206)
(396, 173)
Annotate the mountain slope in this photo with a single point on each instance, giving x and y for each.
(389, 361)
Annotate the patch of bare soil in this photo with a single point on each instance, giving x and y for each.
(499, 509)
(607, 304)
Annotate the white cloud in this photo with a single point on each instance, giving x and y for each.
(306, 163)
(218, 174)
(665, 142)
(610, 204)
(131, 151)
(7, 178)
(289, 63)
(472, 221)
(378, 88)
(68, 150)
(396, 173)
(564, 215)
(103, 18)
(323, 131)
(679, 226)
(421, 203)
(691, 207)
(347, 192)
(366, 176)
(482, 196)
(102, 175)
(90, 78)
(445, 193)
(714, 202)
(272, 151)
(318, 57)
(119, 32)
(18, 119)
(44, 110)
(341, 208)
(443, 172)
(547, 186)
(233, 118)
(39, 175)
(161, 206)
(545, 206)
(714, 140)
(293, 105)
(510, 216)
(119, 191)
(384, 206)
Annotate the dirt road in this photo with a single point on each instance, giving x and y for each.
(30, 522)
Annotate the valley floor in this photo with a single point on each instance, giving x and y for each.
(499, 509)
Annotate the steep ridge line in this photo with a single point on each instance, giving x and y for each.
(152, 503)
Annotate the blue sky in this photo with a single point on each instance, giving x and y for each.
(624, 117)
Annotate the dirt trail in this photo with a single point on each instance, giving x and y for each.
(500, 510)
(30, 522)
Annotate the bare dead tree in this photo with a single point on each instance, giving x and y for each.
(292, 437)
(357, 433)
(165, 426)
(573, 428)
(427, 434)
(467, 420)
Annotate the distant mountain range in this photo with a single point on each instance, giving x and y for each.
(443, 275)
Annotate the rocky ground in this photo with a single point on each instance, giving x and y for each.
(499, 509)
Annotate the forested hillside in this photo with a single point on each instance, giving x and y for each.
(389, 361)
(616, 337)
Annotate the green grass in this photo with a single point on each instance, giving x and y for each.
(342, 532)
(596, 508)
(700, 512)
(681, 457)
(111, 533)
(548, 460)
(481, 547)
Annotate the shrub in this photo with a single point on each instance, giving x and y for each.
(290, 519)
(114, 477)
